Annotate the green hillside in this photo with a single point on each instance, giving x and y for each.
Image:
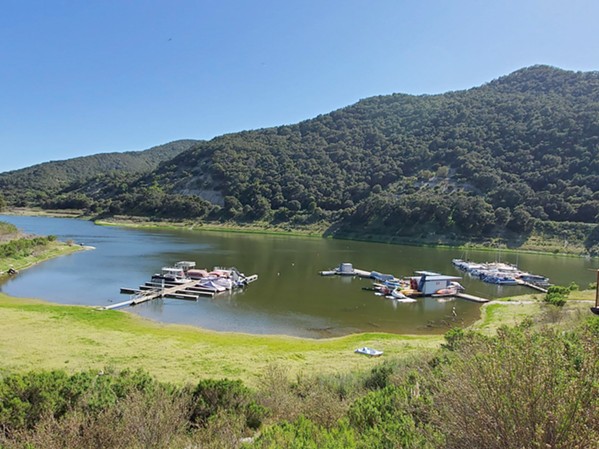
(517, 155)
(34, 185)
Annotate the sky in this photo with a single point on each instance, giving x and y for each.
(95, 76)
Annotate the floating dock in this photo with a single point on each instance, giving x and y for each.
(141, 296)
(178, 282)
(471, 298)
(533, 286)
(347, 269)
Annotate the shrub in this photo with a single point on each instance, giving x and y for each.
(557, 295)
(211, 397)
(521, 389)
(378, 378)
(304, 434)
(388, 418)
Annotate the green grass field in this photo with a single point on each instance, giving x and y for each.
(40, 335)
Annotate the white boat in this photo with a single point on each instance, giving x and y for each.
(173, 275)
(398, 296)
(369, 352)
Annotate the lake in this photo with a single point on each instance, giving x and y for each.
(289, 296)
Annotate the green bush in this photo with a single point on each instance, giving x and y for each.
(212, 397)
(557, 295)
(23, 247)
(378, 377)
(389, 418)
(521, 389)
(26, 398)
(556, 299)
(304, 434)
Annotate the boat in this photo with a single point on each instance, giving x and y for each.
(171, 275)
(399, 296)
(500, 273)
(369, 352)
(218, 280)
(451, 290)
(535, 279)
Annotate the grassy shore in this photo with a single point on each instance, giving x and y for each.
(249, 228)
(533, 244)
(49, 251)
(40, 335)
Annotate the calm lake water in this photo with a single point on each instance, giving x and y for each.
(289, 297)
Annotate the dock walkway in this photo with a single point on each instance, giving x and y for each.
(471, 298)
(172, 291)
(533, 286)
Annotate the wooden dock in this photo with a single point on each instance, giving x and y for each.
(533, 286)
(471, 297)
(141, 296)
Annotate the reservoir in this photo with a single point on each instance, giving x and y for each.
(289, 296)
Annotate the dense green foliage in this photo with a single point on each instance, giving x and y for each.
(524, 388)
(37, 184)
(518, 154)
(24, 246)
(558, 294)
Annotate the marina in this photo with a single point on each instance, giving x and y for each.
(405, 290)
(183, 281)
(501, 273)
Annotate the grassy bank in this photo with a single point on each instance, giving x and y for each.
(39, 254)
(511, 311)
(534, 243)
(41, 335)
(253, 228)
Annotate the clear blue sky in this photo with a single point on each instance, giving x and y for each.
(91, 76)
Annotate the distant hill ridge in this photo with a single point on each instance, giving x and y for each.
(500, 158)
(51, 177)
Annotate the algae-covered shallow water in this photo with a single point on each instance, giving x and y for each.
(289, 297)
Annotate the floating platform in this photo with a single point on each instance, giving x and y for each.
(347, 269)
(533, 286)
(471, 298)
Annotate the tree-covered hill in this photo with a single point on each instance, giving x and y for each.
(500, 158)
(40, 182)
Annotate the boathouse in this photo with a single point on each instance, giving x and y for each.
(428, 283)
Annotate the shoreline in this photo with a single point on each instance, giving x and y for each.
(316, 232)
(38, 334)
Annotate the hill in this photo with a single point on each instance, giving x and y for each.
(518, 154)
(36, 184)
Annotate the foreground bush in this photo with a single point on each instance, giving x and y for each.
(522, 389)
